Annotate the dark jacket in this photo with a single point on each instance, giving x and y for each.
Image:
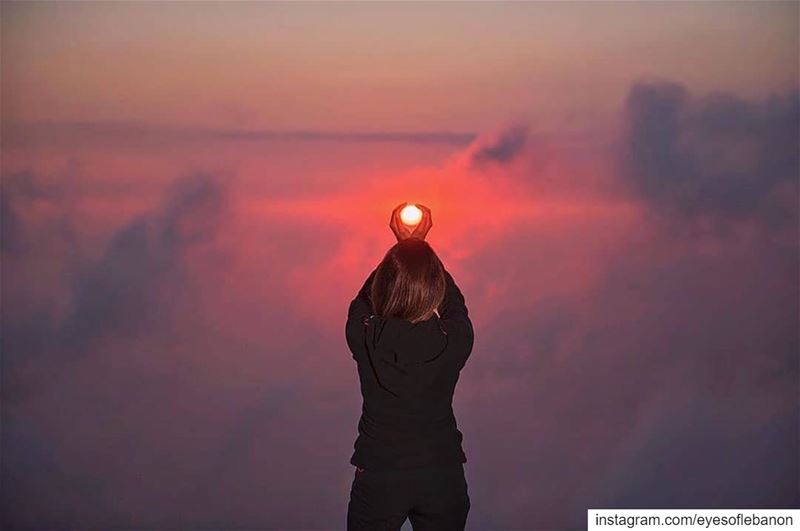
(408, 373)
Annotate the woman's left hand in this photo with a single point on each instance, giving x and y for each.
(400, 230)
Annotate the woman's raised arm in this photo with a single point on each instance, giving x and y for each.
(360, 307)
(454, 313)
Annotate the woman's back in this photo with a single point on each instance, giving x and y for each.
(408, 373)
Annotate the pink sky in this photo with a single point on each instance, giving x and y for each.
(192, 193)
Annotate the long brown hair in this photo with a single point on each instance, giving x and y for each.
(409, 282)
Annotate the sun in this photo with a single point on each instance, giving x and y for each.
(411, 215)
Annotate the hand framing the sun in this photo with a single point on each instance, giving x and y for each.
(403, 231)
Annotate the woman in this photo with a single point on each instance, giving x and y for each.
(410, 335)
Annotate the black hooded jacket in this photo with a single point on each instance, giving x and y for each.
(408, 373)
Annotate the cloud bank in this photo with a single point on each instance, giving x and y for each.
(173, 352)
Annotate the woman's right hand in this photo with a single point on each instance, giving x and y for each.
(425, 224)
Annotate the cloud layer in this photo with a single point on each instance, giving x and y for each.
(173, 349)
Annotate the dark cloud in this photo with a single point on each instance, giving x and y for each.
(715, 374)
(717, 157)
(114, 414)
(11, 241)
(123, 133)
(121, 293)
(637, 392)
(504, 148)
(21, 193)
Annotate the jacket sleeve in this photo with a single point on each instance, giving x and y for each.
(360, 307)
(455, 316)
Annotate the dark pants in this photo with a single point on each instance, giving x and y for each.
(432, 498)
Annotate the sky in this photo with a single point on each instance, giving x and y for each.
(192, 193)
